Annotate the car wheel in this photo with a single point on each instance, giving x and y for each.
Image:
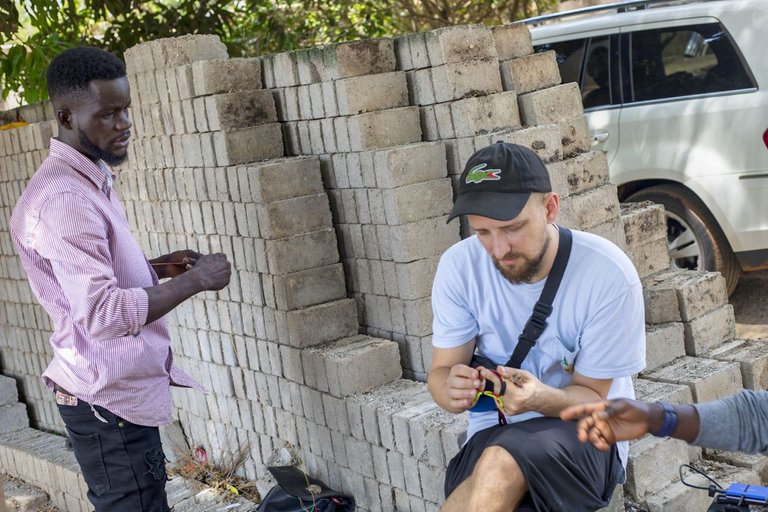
(696, 241)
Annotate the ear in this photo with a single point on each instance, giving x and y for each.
(552, 205)
(64, 117)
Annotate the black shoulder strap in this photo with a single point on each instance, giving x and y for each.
(541, 311)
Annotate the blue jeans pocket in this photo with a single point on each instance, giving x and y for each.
(89, 455)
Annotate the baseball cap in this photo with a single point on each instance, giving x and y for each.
(498, 180)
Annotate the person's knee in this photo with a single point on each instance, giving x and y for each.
(496, 467)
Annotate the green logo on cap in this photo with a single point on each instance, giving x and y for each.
(477, 174)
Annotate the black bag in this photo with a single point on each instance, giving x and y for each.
(297, 492)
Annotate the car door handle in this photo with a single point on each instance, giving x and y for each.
(599, 137)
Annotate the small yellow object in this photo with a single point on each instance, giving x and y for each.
(232, 489)
(11, 126)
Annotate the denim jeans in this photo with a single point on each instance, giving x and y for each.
(122, 463)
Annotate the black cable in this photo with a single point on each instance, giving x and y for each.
(717, 487)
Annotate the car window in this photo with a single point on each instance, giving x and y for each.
(682, 61)
(596, 84)
(569, 55)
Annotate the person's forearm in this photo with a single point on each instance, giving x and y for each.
(436, 383)
(554, 400)
(164, 297)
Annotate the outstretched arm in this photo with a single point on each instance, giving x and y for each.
(607, 422)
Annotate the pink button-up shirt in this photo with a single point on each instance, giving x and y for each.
(89, 274)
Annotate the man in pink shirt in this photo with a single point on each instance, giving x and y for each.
(112, 364)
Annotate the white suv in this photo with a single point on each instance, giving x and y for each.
(675, 93)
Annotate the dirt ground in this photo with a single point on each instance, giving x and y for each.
(750, 305)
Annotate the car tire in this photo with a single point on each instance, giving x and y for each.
(707, 248)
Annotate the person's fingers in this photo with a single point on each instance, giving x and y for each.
(582, 429)
(597, 439)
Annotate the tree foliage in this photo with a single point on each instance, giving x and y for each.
(32, 32)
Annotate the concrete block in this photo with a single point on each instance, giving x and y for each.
(652, 391)
(178, 51)
(661, 303)
(482, 114)
(752, 357)
(543, 140)
(302, 252)
(384, 128)
(512, 40)
(309, 287)
(279, 219)
(239, 110)
(370, 93)
(394, 167)
(286, 70)
(698, 292)
(710, 330)
(419, 201)
(366, 57)
(311, 326)
(420, 88)
(422, 239)
(574, 135)
(13, 417)
(653, 463)
(306, 64)
(530, 73)
(643, 222)
(237, 146)
(449, 45)
(226, 76)
(267, 71)
(403, 54)
(417, 44)
(584, 172)
(359, 364)
(708, 379)
(282, 179)
(664, 343)
(650, 257)
(551, 105)
(8, 392)
(590, 208)
(466, 79)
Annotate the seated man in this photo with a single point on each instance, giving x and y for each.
(483, 294)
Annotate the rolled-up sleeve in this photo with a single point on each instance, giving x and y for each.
(74, 238)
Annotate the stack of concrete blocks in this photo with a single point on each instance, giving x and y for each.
(24, 325)
(279, 348)
(690, 357)
(389, 193)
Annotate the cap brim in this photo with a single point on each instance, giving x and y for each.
(494, 205)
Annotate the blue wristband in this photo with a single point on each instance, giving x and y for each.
(670, 421)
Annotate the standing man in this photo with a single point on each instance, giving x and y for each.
(112, 364)
(484, 292)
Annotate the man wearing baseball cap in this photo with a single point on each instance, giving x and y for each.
(519, 455)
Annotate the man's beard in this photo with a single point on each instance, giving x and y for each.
(529, 267)
(96, 152)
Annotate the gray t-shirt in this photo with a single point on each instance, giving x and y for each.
(736, 423)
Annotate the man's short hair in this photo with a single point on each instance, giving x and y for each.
(72, 70)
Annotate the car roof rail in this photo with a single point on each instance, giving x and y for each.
(623, 6)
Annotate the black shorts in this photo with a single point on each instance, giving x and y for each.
(561, 473)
